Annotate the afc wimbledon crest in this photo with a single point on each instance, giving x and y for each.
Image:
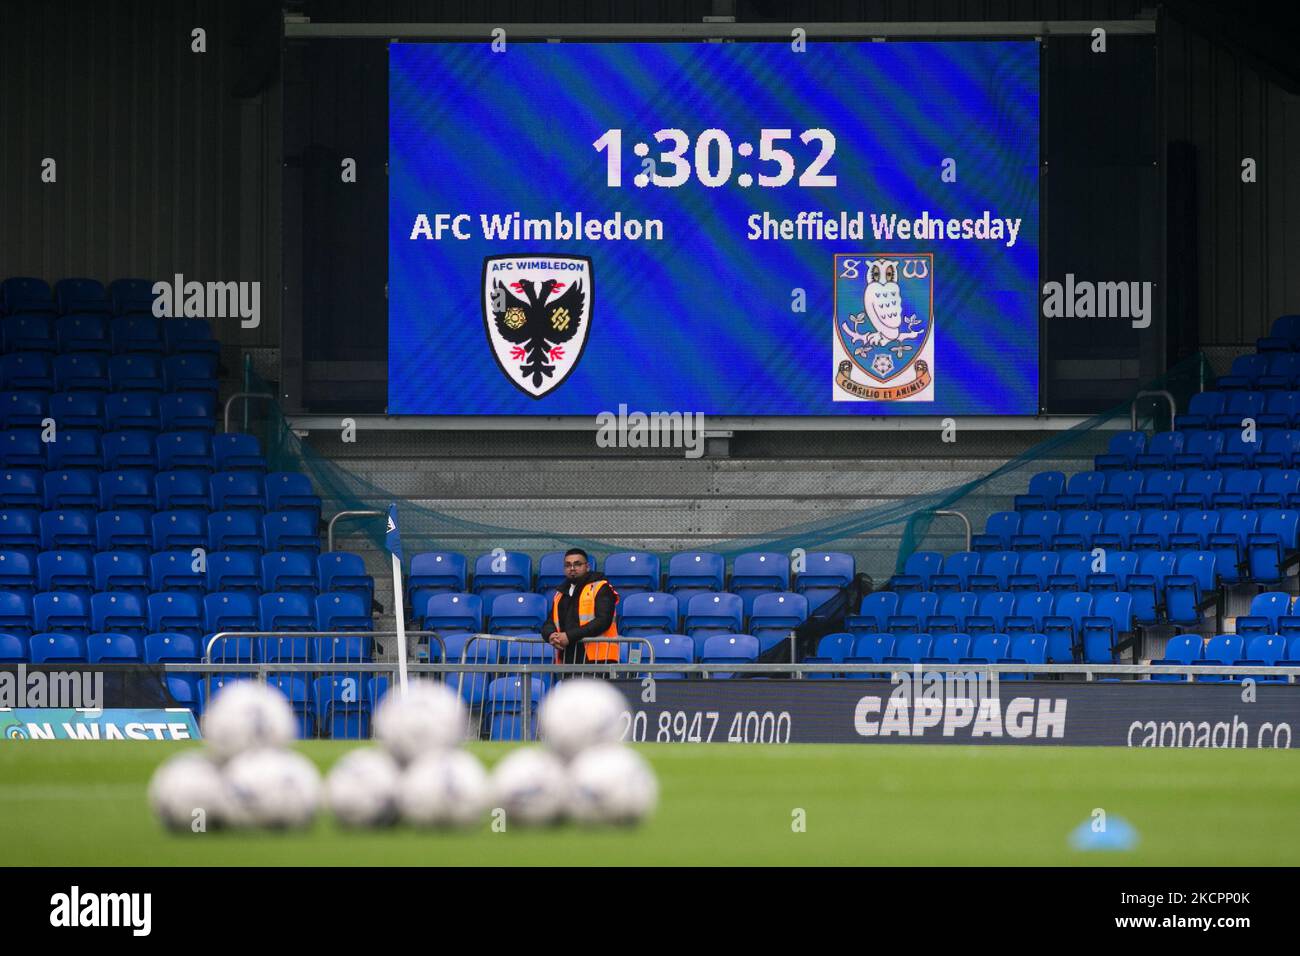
(883, 340)
(537, 312)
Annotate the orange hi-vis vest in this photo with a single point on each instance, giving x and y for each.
(596, 652)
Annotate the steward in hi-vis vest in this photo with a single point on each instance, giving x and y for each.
(582, 607)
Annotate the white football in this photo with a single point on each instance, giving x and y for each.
(445, 788)
(276, 789)
(611, 784)
(248, 715)
(530, 785)
(579, 714)
(187, 792)
(427, 717)
(361, 788)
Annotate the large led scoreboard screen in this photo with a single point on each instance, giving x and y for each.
(734, 229)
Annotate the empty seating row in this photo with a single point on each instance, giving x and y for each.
(1283, 336)
(1227, 650)
(93, 372)
(1231, 409)
(131, 449)
(1270, 370)
(140, 573)
(688, 573)
(991, 648)
(172, 647)
(122, 297)
(70, 612)
(23, 529)
(122, 411)
(138, 489)
(1177, 490)
(137, 334)
(1237, 447)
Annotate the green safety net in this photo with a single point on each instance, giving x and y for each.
(881, 537)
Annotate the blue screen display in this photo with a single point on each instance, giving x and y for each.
(724, 228)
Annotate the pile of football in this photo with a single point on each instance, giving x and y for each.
(418, 772)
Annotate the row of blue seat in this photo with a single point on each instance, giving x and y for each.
(129, 613)
(171, 647)
(1101, 570)
(1269, 370)
(138, 489)
(1231, 409)
(93, 372)
(1177, 490)
(131, 449)
(1228, 650)
(76, 294)
(1264, 447)
(1283, 336)
(632, 572)
(97, 412)
(184, 571)
(91, 332)
(27, 530)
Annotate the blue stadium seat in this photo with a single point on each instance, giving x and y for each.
(870, 649)
(1265, 610)
(179, 530)
(349, 612)
(1116, 566)
(948, 649)
(957, 569)
(1161, 451)
(74, 488)
(1081, 491)
(177, 571)
(83, 333)
(504, 708)
(1037, 528)
(64, 571)
(1031, 607)
(1122, 451)
(990, 615)
(910, 649)
(1025, 649)
(137, 333)
(1279, 488)
(1077, 530)
(290, 531)
(190, 372)
(234, 571)
(182, 490)
(29, 332)
(873, 614)
(27, 294)
(238, 531)
(81, 372)
(727, 648)
(28, 410)
(74, 449)
(913, 611)
(1183, 650)
(187, 411)
(1159, 489)
(1186, 589)
(131, 295)
(67, 529)
(1000, 530)
(1155, 531)
(672, 649)
(27, 372)
(175, 613)
(1237, 451)
(64, 611)
(13, 649)
(132, 410)
(57, 648)
(1267, 548)
(1230, 542)
(502, 573)
(950, 617)
(297, 689)
(708, 614)
(18, 571)
(695, 572)
(831, 649)
(1278, 449)
(136, 373)
(521, 612)
(286, 611)
(775, 616)
(128, 490)
(238, 491)
(238, 453)
(472, 687)
(81, 295)
(824, 574)
(285, 648)
(1221, 650)
(631, 572)
(345, 572)
(1117, 528)
(189, 336)
(435, 572)
(16, 613)
(342, 711)
(22, 448)
(1147, 584)
(1283, 335)
(171, 648)
(120, 612)
(989, 649)
(452, 612)
(1194, 530)
(917, 571)
(79, 410)
(649, 613)
(1072, 573)
(1110, 618)
(19, 530)
(996, 569)
(759, 572)
(1199, 449)
(355, 648)
(129, 450)
(1035, 568)
(1043, 490)
(290, 491)
(188, 450)
(121, 571)
(230, 611)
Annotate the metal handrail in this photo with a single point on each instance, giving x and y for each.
(1159, 392)
(964, 520)
(360, 513)
(219, 635)
(245, 395)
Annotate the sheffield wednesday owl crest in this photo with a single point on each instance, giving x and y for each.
(883, 338)
(537, 313)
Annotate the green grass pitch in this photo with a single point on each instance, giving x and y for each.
(83, 803)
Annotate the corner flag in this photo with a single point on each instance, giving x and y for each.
(393, 542)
